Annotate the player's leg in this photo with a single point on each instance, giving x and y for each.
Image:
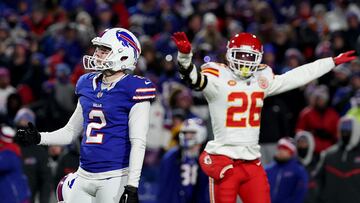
(82, 190)
(110, 190)
(255, 189)
(225, 190)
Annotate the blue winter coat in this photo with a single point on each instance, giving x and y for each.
(288, 181)
(13, 183)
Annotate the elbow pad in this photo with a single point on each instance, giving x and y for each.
(198, 83)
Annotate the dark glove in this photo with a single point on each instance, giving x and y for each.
(130, 195)
(344, 57)
(27, 136)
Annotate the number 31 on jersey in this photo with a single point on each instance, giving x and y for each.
(253, 118)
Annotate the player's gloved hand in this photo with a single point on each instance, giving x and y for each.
(27, 136)
(130, 195)
(184, 47)
(344, 57)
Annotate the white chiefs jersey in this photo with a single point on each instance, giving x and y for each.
(235, 104)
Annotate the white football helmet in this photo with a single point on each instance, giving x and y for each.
(192, 132)
(124, 51)
(64, 187)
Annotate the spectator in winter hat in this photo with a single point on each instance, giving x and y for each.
(320, 119)
(287, 177)
(35, 161)
(23, 117)
(11, 169)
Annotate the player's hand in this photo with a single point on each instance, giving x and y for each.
(28, 136)
(344, 57)
(184, 47)
(182, 42)
(130, 195)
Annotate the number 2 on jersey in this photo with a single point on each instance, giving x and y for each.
(254, 109)
(98, 137)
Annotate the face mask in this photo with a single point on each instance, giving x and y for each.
(345, 133)
(302, 152)
(345, 140)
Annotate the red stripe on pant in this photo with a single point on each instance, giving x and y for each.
(248, 180)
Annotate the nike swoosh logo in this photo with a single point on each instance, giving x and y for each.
(147, 82)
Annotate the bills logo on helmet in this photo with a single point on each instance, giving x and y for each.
(127, 41)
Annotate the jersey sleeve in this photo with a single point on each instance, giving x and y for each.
(212, 72)
(299, 76)
(66, 134)
(81, 83)
(142, 90)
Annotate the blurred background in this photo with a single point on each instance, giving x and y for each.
(41, 47)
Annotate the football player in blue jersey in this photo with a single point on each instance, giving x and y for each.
(112, 115)
(181, 178)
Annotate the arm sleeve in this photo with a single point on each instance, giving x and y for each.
(138, 128)
(68, 133)
(300, 76)
(200, 81)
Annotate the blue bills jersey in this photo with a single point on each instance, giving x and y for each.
(106, 145)
(181, 180)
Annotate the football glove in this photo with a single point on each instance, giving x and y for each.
(344, 57)
(27, 136)
(130, 195)
(184, 47)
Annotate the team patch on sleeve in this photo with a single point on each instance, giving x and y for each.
(212, 71)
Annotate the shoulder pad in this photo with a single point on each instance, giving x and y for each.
(265, 71)
(213, 65)
(212, 68)
(262, 67)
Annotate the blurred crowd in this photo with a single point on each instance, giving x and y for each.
(41, 47)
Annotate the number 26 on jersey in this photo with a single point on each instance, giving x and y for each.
(237, 116)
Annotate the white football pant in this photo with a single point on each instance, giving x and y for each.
(97, 191)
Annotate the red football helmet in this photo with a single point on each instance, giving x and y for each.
(244, 53)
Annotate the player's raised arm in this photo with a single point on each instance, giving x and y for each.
(62, 136)
(188, 71)
(306, 73)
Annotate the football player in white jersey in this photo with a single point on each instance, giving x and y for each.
(235, 93)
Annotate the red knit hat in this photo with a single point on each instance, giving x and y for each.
(7, 134)
(287, 144)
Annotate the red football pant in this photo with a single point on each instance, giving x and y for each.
(248, 180)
